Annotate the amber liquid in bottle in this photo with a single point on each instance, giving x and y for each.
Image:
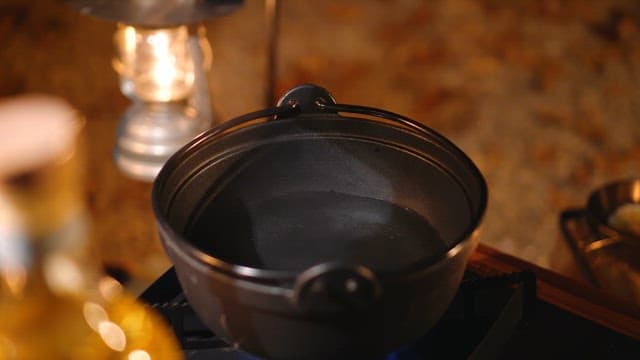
(54, 304)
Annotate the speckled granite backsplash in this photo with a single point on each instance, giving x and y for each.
(543, 95)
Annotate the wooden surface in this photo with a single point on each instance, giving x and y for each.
(578, 298)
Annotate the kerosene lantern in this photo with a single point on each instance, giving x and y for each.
(162, 58)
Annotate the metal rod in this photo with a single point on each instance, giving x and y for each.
(272, 15)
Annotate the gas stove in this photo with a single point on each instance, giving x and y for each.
(492, 316)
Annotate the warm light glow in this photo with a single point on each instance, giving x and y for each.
(129, 39)
(158, 62)
(7, 349)
(94, 314)
(109, 287)
(163, 69)
(112, 335)
(14, 252)
(63, 274)
(139, 355)
(15, 278)
(602, 243)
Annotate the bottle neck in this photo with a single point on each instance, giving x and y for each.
(43, 242)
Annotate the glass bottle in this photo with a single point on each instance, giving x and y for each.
(54, 303)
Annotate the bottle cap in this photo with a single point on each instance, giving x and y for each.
(35, 130)
(40, 171)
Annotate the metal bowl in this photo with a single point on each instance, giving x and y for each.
(605, 201)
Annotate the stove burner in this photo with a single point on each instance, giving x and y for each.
(481, 319)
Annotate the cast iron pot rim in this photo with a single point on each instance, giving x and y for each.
(278, 276)
(601, 222)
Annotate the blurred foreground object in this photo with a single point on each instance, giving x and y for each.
(54, 303)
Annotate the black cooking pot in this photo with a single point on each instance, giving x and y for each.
(300, 233)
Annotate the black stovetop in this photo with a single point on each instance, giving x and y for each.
(491, 317)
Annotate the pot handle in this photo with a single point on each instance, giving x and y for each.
(335, 286)
(310, 99)
(313, 99)
(302, 99)
(371, 111)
